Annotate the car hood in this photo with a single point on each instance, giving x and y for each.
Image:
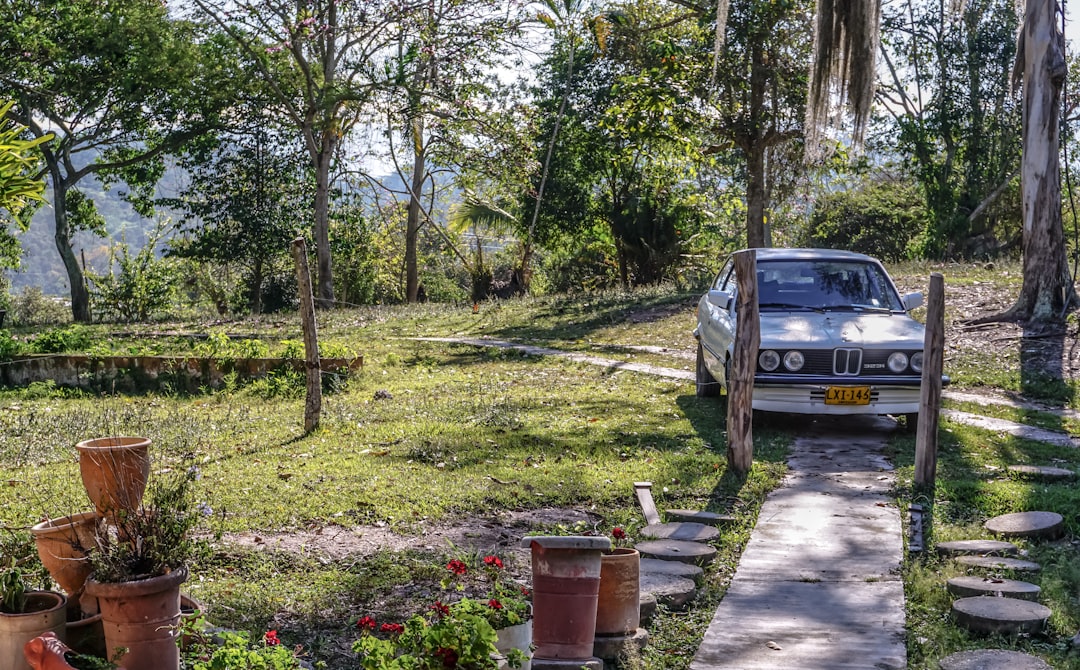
(838, 329)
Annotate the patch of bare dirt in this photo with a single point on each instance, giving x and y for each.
(496, 534)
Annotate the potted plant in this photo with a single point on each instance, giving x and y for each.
(618, 608)
(139, 560)
(505, 605)
(25, 614)
(446, 637)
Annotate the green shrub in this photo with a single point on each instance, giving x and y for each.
(62, 340)
(137, 286)
(31, 307)
(9, 346)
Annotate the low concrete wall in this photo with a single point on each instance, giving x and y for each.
(150, 373)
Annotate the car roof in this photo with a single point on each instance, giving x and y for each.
(778, 254)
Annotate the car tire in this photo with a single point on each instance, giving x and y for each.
(911, 422)
(707, 386)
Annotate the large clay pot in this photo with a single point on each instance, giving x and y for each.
(45, 611)
(618, 608)
(566, 581)
(114, 471)
(142, 616)
(62, 545)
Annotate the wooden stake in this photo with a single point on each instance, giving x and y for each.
(930, 396)
(313, 404)
(740, 412)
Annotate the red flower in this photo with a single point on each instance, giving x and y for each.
(525, 592)
(440, 609)
(493, 561)
(395, 628)
(448, 656)
(495, 604)
(457, 567)
(618, 533)
(365, 622)
(271, 638)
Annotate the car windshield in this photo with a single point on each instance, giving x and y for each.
(825, 284)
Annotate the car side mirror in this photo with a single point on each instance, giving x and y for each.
(718, 298)
(913, 300)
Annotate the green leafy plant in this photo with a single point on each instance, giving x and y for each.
(60, 340)
(141, 285)
(155, 538)
(506, 603)
(236, 651)
(446, 637)
(12, 589)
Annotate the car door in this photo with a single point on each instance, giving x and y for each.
(714, 322)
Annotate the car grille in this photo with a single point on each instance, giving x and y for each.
(844, 361)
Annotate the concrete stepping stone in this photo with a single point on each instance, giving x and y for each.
(612, 648)
(670, 591)
(977, 547)
(992, 659)
(970, 586)
(999, 563)
(1045, 525)
(680, 530)
(1045, 472)
(707, 518)
(676, 568)
(647, 607)
(989, 614)
(677, 550)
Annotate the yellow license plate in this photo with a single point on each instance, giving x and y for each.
(847, 395)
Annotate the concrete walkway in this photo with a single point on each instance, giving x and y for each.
(818, 586)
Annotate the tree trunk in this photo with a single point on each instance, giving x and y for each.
(322, 220)
(80, 296)
(755, 196)
(1047, 289)
(412, 227)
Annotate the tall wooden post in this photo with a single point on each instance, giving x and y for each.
(313, 366)
(930, 397)
(740, 412)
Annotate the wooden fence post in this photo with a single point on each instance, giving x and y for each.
(313, 366)
(740, 412)
(930, 395)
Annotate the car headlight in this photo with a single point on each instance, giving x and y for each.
(916, 361)
(794, 360)
(898, 362)
(769, 360)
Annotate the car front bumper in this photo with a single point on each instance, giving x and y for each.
(810, 399)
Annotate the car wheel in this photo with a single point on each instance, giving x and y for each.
(911, 422)
(707, 386)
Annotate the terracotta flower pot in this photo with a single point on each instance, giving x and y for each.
(142, 616)
(618, 608)
(45, 611)
(62, 546)
(566, 580)
(86, 635)
(114, 471)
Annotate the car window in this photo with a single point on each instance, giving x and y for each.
(725, 277)
(827, 284)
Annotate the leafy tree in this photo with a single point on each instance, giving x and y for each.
(323, 60)
(240, 206)
(119, 85)
(948, 93)
(756, 94)
(19, 186)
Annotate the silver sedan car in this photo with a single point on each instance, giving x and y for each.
(836, 336)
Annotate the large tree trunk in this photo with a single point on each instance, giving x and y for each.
(412, 226)
(321, 229)
(1047, 289)
(754, 148)
(80, 296)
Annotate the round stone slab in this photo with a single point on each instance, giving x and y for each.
(978, 547)
(998, 563)
(967, 587)
(671, 591)
(987, 614)
(1042, 472)
(707, 518)
(992, 659)
(675, 568)
(1047, 525)
(691, 532)
(677, 550)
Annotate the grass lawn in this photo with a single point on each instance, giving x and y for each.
(433, 441)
